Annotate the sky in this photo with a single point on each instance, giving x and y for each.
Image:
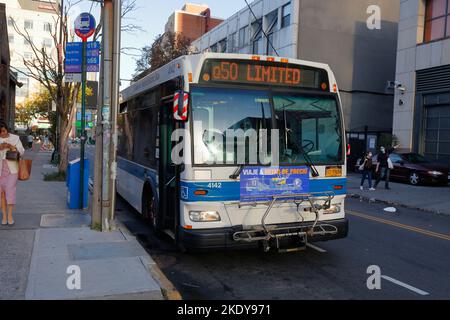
(152, 16)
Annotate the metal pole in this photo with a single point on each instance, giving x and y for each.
(61, 96)
(106, 112)
(83, 123)
(96, 220)
(115, 103)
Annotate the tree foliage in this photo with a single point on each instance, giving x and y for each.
(38, 105)
(165, 48)
(46, 67)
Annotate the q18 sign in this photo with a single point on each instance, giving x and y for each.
(263, 73)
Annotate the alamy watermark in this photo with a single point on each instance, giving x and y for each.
(73, 281)
(374, 19)
(232, 146)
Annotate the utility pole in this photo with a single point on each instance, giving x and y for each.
(106, 142)
(60, 96)
(115, 103)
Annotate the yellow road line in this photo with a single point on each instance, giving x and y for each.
(400, 225)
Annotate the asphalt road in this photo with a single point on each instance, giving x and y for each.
(410, 248)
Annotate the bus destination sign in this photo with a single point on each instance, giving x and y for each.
(263, 73)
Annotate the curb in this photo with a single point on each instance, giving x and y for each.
(398, 204)
(168, 290)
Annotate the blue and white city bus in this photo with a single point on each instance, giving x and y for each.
(292, 194)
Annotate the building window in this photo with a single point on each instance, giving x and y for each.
(214, 48)
(286, 15)
(243, 32)
(28, 56)
(10, 22)
(23, 91)
(232, 42)
(47, 43)
(223, 45)
(437, 20)
(47, 27)
(257, 37)
(28, 41)
(11, 38)
(28, 24)
(272, 22)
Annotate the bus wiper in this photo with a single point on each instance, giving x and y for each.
(310, 164)
(308, 160)
(237, 173)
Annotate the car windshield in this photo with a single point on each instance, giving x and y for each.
(417, 158)
(307, 124)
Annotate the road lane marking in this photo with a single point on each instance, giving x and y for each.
(316, 248)
(404, 285)
(400, 225)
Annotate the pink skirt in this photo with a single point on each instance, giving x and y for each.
(8, 183)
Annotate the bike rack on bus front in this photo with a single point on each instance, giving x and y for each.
(266, 233)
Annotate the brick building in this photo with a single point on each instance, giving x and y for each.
(192, 21)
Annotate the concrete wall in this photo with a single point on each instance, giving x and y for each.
(413, 55)
(334, 32)
(363, 60)
(285, 39)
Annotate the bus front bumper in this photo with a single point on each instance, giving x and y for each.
(222, 238)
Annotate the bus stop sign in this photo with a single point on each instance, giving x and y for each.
(85, 25)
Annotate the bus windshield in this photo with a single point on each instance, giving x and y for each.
(307, 125)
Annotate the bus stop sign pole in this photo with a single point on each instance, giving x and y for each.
(84, 28)
(83, 124)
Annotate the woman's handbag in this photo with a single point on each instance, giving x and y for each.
(390, 164)
(361, 167)
(24, 169)
(12, 155)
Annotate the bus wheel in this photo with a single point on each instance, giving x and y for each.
(150, 210)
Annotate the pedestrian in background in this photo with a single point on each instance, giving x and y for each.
(30, 141)
(9, 169)
(366, 167)
(384, 167)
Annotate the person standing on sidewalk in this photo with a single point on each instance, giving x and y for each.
(383, 168)
(30, 140)
(366, 169)
(9, 170)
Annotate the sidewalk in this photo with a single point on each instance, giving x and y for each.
(426, 198)
(48, 238)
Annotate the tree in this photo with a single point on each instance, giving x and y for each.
(38, 105)
(165, 48)
(47, 69)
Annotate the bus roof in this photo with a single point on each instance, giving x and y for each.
(193, 63)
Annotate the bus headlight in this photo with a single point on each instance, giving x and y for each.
(204, 216)
(335, 208)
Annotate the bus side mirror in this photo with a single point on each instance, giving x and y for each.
(180, 105)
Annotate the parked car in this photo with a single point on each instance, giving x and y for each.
(415, 169)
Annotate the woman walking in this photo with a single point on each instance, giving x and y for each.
(366, 168)
(9, 169)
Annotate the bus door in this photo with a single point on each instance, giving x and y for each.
(167, 171)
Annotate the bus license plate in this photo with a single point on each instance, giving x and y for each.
(333, 172)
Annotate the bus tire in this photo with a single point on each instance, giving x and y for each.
(150, 208)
